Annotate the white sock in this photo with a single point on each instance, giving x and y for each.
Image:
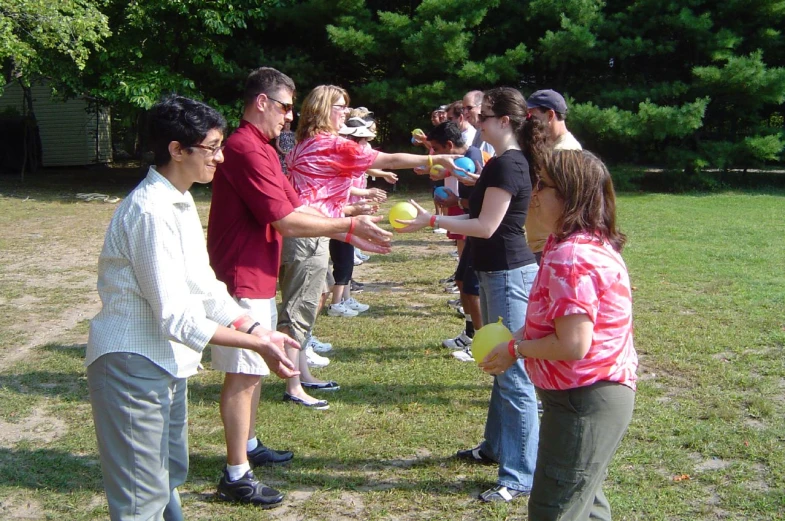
(237, 471)
(251, 444)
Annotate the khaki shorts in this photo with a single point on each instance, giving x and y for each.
(245, 361)
(303, 274)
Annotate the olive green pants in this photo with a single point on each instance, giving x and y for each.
(580, 431)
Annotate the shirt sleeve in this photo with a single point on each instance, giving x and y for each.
(261, 186)
(159, 265)
(510, 175)
(572, 288)
(351, 158)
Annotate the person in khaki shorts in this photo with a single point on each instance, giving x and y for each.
(549, 107)
(253, 206)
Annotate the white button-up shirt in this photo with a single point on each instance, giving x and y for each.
(160, 296)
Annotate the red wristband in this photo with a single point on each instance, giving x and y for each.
(348, 238)
(239, 322)
(511, 349)
(432, 222)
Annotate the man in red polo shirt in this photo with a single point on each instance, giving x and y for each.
(253, 205)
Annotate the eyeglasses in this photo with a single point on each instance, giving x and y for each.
(342, 107)
(287, 107)
(482, 117)
(468, 108)
(212, 149)
(542, 185)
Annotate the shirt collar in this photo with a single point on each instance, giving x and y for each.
(255, 131)
(166, 188)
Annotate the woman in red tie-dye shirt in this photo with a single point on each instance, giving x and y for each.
(577, 340)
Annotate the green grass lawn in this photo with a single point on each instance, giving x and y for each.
(709, 279)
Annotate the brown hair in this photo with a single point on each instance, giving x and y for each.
(265, 80)
(316, 109)
(584, 184)
(529, 132)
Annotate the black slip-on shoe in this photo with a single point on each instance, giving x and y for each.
(500, 494)
(248, 490)
(323, 386)
(474, 455)
(319, 405)
(262, 455)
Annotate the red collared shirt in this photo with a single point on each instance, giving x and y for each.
(250, 192)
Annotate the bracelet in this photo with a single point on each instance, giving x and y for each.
(511, 349)
(250, 329)
(430, 161)
(348, 238)
(432, 222)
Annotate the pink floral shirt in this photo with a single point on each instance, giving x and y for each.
(582, 275)
(322, 168)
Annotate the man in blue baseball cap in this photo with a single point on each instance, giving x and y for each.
(550, 108)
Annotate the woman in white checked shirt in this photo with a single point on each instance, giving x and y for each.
(161, 306)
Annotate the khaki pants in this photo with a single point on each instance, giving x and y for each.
(303, 270)
(141, 419)
(580, 431)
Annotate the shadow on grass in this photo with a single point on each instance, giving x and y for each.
(51, 469)
(63, 472)
(363, 394)
(356, 474)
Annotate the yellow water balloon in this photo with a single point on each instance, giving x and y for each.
(402, 210)
(488, 337)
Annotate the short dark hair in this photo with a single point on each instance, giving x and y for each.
(559, 115)
(447, 131)
(265, 80)
(176, 118)
(455, 109)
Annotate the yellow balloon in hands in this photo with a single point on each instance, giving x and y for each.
(402, 210)
(488, 337)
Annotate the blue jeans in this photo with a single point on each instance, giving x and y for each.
(512, 429)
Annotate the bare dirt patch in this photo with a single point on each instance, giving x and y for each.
(40, 426)
(20, 508)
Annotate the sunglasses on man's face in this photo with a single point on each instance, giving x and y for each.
(287, 107)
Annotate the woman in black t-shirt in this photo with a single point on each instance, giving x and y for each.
(506, 268)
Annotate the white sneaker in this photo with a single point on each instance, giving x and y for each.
(317, 346)
(352, 304)
(464, 355)
(460, 342)
(360, 255)
(454, 254)
(339, 310)
(454, 303)
(315, 360)
(357, 260)
(439, 230)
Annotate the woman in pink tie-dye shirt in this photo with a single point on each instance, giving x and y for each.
(577, 340)
(321, 166)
